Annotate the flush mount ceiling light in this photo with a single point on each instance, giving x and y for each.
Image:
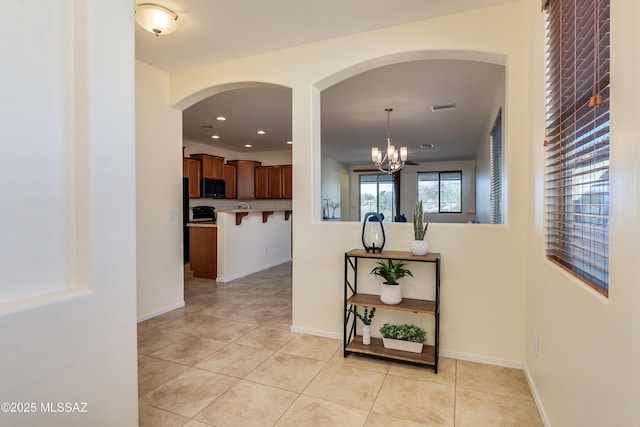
(156, 19)
(394, 159)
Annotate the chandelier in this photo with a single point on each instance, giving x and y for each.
(392, 160)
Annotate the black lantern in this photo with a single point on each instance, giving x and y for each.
(373, 232)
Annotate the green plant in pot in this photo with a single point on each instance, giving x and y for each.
(403, 337)
(390, 292)
(419, 246)
(366, 318)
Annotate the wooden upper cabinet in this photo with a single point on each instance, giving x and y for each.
(245, 178)
(287, 182)
(212, 166)
(229, 172)
(271, 182)
(262, 182)
(191, 169)
(275, 182)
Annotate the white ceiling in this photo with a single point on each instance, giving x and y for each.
(214, 31)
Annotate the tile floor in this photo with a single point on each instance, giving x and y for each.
(228, 358)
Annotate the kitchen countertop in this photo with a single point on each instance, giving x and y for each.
(202, 224)
(253, 210)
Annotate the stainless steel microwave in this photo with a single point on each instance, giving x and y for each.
(212, 188)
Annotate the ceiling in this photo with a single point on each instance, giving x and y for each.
(214, 31)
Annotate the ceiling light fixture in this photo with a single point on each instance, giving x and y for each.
(261, 132)
(248, 145)
(221, 118)
(290, 142)
(215, 136)
(156, 19)
(394, 159)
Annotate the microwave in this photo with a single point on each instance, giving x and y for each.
(212, 188)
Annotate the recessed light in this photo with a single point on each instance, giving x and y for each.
(290, 142)
(221, 118)
(215, 136)
(248, 145)
(261, 132)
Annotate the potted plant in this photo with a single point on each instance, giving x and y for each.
(390, 291)
(366, 318)
(419, 246)
(403, 337)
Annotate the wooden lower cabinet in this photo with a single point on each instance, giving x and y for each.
(203, 251)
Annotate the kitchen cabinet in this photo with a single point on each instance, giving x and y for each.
(352, 300)
(212, 166)
(269, 182)
(191, 169)
(229, 174)
(203, 251)
(287, 182)
(245, 178)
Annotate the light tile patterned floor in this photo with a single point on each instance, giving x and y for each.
(228, 358)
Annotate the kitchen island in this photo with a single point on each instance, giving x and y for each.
(251, 240)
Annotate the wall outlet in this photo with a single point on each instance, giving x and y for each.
(536, 345)
(172, 215)
(266, 250)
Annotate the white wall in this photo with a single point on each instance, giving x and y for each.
(586, 372)
(332, 172)
(67, 257)
(483, 268)
(159, 195)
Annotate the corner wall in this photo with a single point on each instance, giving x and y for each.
(67, 105)
(586, 369)
(159, 195)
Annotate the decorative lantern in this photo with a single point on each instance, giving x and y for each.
(373, 232)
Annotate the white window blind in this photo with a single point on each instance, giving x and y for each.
(577, 145)
(495, 196)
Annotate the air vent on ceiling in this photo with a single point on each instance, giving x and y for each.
(443, 107)
(207, 127)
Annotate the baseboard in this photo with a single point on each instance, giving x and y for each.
(325, 334)
(536, 398)
(249, 272)
(482, 359)
(159, 312)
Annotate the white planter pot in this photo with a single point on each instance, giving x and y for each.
(390, 294)
(366, 335)
(419, 247)
(414, 347)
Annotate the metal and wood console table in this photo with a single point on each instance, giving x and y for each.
(353, 299)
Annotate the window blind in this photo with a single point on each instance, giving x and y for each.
(577, 144)
(495, 195)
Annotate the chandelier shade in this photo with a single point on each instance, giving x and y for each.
(392, 160)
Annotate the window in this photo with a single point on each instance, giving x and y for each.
(440, 192)
(377, 195)
(577, 145)
(495, 196)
